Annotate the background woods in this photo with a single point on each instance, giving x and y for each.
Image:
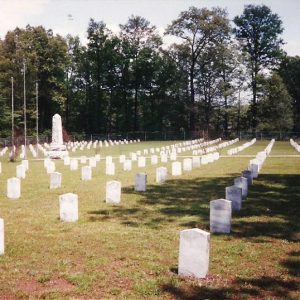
(217, 76)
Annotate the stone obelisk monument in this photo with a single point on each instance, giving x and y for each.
(57, 147)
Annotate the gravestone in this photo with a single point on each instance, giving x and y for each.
(161, 174)
(187, 164)
(220, 216)
(141, 161)
(163, 158)
(21, 171)
(173, 156)
(13, 188)
(92, 162)
(68, 207)
(97, 157)
(74, 164)
(193, 253)
(196, 160)
(57, 148)
(113, 192)
(154, 159)
(50, 167)
(248, 174)
(25, 163)
(55, 180)
(254, 168)
(110, 169)
(234, 194)
(1, 236)
(86, 173)
(176, 168)
(122, 158)
(140, 182)
(67, 160)
(127, 165)
(108, 160)
(83, 159)
(242, 183)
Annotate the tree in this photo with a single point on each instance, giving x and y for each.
(258, 30)
(141, 39)
(275, 109)
(199, 29)
(290, 73)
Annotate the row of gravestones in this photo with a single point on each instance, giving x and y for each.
(194, 243)
(215, 148)
(241, 148)
(295, 145)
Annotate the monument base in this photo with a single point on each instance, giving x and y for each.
(57, 151)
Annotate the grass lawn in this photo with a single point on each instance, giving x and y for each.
(130, 251)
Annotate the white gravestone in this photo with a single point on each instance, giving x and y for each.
(242, 183)
(110, 169)
(140, 182)
(92, 162)
(108, 160)
(55, 180)
(127, 165)
(254, 168)
(25, 163)
(1, 236)
(196, 160)
(187, 164)
(21, 171)
(83, 159)
(161, 174)
(74, 164)
(122, 158)
(173, 156)
(67, 160)
(234, 194)
(176, 168)
(13, 188)
(248, 174)
(68, 206)
(154, 159)
(220, 216)
(50, 167)
(193, 253)
(57, 147)
(86, 173)
(141, 161)
(113, 192)
(163, 158)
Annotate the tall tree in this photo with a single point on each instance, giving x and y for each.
(199, 28)
(258, 30)
(142, 38)
(290, 73)
(275, 108)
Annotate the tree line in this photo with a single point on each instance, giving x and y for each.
(217, 77)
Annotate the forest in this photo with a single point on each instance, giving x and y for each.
(218, 77)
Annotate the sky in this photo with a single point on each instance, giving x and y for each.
(72, 16)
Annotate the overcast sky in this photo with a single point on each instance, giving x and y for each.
(72, 16)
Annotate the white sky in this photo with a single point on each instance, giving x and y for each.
(53, 14)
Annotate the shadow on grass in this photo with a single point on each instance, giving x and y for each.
(275, 199)
(272, 208)
(264, 287)
(182, 202)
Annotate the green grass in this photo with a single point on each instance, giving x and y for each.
(130, 251)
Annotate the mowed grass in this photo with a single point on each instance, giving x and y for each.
(130, 251)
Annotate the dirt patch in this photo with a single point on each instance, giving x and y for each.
(36, 288)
